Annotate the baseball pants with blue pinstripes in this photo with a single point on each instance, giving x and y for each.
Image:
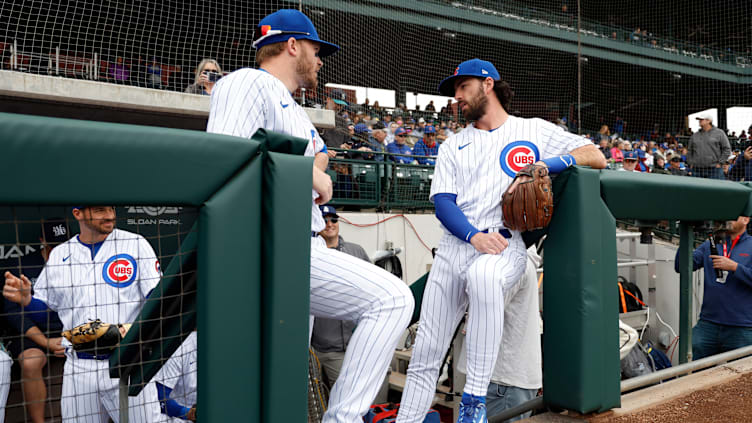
(461, 278)
(348, 288)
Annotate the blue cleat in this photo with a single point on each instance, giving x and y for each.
(472, 409)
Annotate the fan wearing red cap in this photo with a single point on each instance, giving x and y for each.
(289, 54)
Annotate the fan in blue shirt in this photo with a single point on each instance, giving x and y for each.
(399, 147)
(427, 146)
(726, 314)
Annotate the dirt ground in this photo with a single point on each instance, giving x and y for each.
(726, 403)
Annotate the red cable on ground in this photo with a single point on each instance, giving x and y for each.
(365, 225)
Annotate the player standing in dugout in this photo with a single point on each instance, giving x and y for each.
(479, 258)
(289, 53)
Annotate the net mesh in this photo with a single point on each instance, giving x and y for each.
(111, 286)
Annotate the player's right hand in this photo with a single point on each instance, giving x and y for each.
(322, 184)
(17, 290)
(492, 243)
(55, 345)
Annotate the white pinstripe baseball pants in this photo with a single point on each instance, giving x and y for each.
(5, 364)
(348, 288)
(460, 277)
(91, 396)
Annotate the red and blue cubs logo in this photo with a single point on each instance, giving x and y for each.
(120, 270)
(158, 268)
(516, 155)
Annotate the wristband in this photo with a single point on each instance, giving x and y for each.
(559, 163)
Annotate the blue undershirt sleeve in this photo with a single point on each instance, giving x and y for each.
(169, 406)
(450, 215)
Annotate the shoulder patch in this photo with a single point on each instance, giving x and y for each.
(516, 155)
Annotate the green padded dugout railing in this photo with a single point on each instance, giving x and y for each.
(581, 366)
(254, 213)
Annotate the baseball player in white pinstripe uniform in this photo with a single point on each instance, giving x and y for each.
(289, 54)
(5, 364)
(102, 273)
(478, 259)
(179, 382)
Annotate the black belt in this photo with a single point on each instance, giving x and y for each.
(503, 231)
(87, 356)
(314, 234)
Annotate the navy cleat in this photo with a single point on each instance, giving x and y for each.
(472, 409)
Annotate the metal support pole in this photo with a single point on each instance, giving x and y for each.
(123, 392)
(57, 60)
(685, 291)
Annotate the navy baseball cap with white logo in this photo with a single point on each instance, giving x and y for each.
(472, 67)
(283, 24)
(328, 211)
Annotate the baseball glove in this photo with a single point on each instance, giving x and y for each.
(531, 204)
(96, 337)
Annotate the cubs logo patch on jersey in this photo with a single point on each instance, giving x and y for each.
(120, 270)
(516, 155)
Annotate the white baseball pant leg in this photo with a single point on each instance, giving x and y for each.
(348, 288)
(91, 396)
(5, 364)
(460, 278)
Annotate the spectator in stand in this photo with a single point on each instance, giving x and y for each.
(725, 320)
(743, 135)
(707, 149)
(119, 71)
(417, 132)
(659, 165)
(617, 151)
(377, 141)
(676, 168)
(603, 146)
(630, 162)
(392, 129)
(742, 167)
(208, 73)
(399, 146)
(430, 107)
(447, 110)
(377, 108)
(619, 125)
(342, 131)
(154, 74)
(641, 159)
(635, 36)
(358, 143)
(604, 132)
(427, 146)
(725, 167)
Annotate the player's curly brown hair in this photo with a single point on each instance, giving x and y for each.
(504, 93)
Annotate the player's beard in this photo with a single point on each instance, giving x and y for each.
(476, 106)
(100, 226)
(309, 78)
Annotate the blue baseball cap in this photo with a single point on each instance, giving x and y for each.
(630, 155)
(328, 211)
(361, 128)
(400, 131)
(285, 23)
(429, 129)
(472, 67)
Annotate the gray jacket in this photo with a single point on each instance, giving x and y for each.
(330, 335)
(707, 149)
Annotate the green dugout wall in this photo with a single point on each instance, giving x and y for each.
(251, 241)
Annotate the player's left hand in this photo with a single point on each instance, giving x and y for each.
(724, 263)
(191, 414)
(524, 178)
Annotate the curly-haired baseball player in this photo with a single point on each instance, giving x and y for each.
(343, 287)
(478, 259)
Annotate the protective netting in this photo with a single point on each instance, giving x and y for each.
(684, 58)
(74, 280)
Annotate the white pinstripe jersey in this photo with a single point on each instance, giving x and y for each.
(478, 165)
(112, 286)
(249, 99)
(180, 372)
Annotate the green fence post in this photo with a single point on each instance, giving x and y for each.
(581, 337)
(686, 243)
